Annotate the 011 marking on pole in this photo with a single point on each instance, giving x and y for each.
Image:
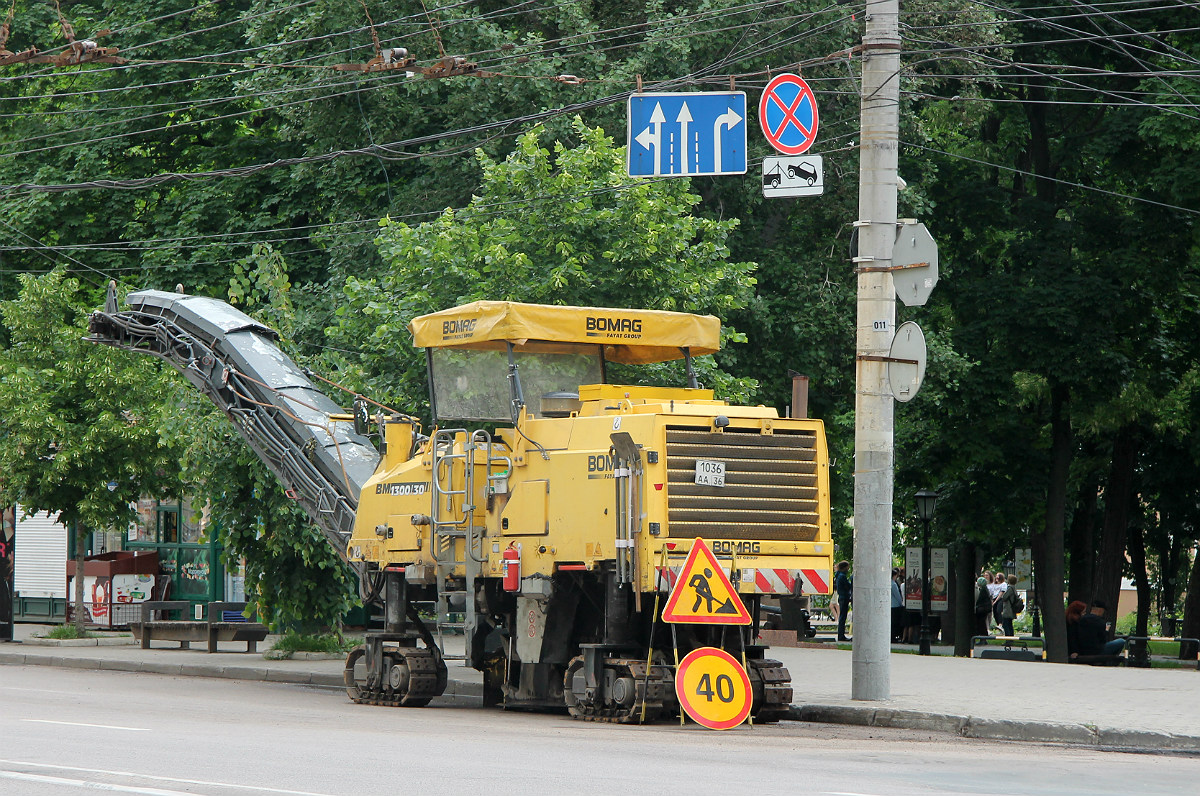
(788, 114)
(686, 134)
(703, 594)
(713, 688)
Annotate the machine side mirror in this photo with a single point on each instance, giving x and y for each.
(362, 416)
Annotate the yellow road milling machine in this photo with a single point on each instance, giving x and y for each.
(547, 514)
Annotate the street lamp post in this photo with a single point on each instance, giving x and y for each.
(926, 500)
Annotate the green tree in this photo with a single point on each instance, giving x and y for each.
(1063, 293)
(80, 425)
(294, 579)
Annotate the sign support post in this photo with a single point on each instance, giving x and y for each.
(876, 319)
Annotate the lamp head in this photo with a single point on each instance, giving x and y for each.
(926, 500)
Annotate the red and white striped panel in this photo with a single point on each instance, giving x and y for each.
(783, 581)
(667, 577)
(766, 581)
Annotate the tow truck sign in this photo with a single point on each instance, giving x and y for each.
(794, 176)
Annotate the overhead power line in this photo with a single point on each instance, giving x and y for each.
(1068, 183)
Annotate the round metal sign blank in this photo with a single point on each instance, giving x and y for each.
(788, 114)
(906, 362)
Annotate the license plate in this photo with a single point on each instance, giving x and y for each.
(710, 473)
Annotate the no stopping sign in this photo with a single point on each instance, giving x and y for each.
(788, 114)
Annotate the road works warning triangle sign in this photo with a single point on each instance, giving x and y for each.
(703, 593)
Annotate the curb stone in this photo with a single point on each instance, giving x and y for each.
(995, 729)
(244, 673)
(1007, 729)
(102, 641)
(916, 720)
(155, 667)
(1150, 739)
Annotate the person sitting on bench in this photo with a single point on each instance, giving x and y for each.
(1092, 633)
(1075, 610)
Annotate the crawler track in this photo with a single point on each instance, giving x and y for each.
(657, 690)
(772, 686)
(420, 675)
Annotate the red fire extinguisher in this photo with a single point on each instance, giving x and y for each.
(512, 568)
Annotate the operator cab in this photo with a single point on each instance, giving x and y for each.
(490, 359)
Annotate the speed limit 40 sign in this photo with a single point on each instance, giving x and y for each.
(713, 688)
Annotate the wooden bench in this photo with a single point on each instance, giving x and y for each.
(1139, 648)
(212, 629)
(1013, 648)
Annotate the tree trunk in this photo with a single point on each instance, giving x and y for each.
(1191, 613)
(1169, 567)
(79, 556)
(1137, 557)
(948, 619)
(964, 597)
(1049, 554)
(1082, 544)
(1117, 497)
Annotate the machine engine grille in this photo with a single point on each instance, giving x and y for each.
(770, 490)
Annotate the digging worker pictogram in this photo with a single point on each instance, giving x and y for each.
(704, 594)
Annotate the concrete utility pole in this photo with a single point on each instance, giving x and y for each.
(873, 452)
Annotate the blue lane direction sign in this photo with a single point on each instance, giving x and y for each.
(687, 134)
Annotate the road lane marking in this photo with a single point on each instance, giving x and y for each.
(174, 780)
(42, 779)
(38, 690)
(94, 726)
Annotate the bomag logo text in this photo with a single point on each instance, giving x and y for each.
(600, 466)
(600, 463)
(741, 548)
(463, 326)
(460, 328)
(614, 327)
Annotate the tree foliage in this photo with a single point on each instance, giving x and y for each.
(80, 424)
(293, 578)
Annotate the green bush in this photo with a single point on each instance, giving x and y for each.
(331, 643)
(67, 632)
(1127, 625)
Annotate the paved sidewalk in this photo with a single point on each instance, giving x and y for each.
(996, 699)
(231, 661)
(1013, 700)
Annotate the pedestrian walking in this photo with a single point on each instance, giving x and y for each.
(983, 606)
(897, 605)
(996, 589)
(1010, 605)
(843, 587)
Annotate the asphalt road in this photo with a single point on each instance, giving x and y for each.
(65, 731)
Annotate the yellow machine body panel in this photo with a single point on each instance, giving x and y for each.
(556, 498)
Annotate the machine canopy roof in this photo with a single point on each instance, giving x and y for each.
(628, 336)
